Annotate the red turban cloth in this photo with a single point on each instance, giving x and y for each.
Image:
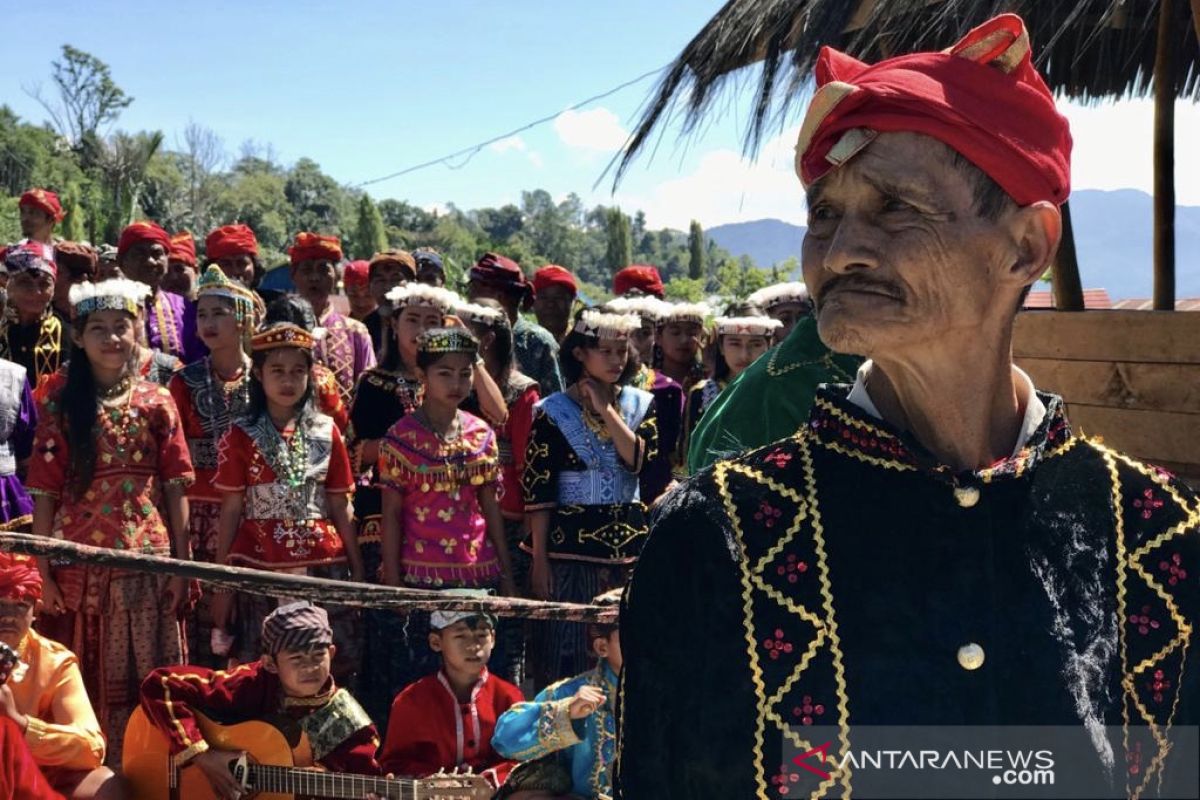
(183, 248)
(19, 578)
(638, 277)
(315, 247)
(493, 269)
(142, 231)
(554, 275)
(356, 273)
(982, 97)
(45, 200)
(228, 241)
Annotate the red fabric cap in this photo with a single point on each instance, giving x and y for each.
(19, 578)
(356, 273)
(313, 247)
(44, 199)
(494, 269)
(142, 231)
(554, 275)
(228, 241)
(638, 277)
(30, 257)
(983, 97)
(183, 248)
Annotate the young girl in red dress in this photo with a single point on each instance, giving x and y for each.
(286, 483)
(110, 468)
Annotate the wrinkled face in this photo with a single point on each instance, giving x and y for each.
(217, 323)
(740, 351)
(448, 380)
(681, 341)
(789, 314)
(552, 306)
(385, 276)
(238, 268)
(315, 279)
(146, 262)
(896, 257)
(284, 375)
(606, 361)
(109, 339)
(30, 292)
(180, 278)
(36, 224)
(410, 323)
(16, 617)
(463, 648)
(642, 340)
(302, 673)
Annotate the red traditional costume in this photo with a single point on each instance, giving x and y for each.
(20, 779)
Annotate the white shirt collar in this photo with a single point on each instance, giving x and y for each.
(1035, 409)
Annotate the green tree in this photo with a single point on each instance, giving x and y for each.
(87, 96)
(688, 290)
(619, 250)
(316, 199)
(369, 237)
(695, 251)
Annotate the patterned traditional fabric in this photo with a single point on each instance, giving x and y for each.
(512, 438)
(171, 326)
(584, 747)
(284, 525)
(347, 351)
(38, 347)
(19, 774)
(701, 397)
(343, 734)
(445, 535)
(430, 730)
(18, 420)
(838, 574)
(537, 355)
(656, 476)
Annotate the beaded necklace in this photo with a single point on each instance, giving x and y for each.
(287, 456)
(233, 394)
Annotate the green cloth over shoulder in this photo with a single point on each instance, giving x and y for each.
(771, 399)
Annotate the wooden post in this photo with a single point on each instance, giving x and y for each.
(1164, 159)
(1065, 283)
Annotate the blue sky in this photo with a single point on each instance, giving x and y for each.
(368, 88)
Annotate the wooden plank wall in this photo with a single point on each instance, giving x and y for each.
(1132, 377)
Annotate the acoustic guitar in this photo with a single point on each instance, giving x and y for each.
(268, 770)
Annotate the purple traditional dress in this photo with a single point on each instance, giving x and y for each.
(346, 350)
(171, 326)
(18, 420)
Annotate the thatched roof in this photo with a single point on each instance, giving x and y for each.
(1087, 49)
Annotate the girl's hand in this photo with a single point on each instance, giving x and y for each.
(541, 579)
(594, 394)
(453, 321)
(52, 598)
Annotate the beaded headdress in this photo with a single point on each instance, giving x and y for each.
(747, 326)
(591, 322)
(248, 307)
(281, 335)
(445, 341)
(687, 312)
(649, 308)
(420, 294)
(781, 293)
(477, 314)
(117, 294)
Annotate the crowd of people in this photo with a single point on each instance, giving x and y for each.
(373, 425)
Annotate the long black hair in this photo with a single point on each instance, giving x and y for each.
(572, 367)
(79, 406)
(501, 328)
(720, 365)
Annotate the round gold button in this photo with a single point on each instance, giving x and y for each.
(967, 496)
(970, 656)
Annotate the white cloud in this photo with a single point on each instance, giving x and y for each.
(507, 143)
(726, 187)
(437, 209)
(596, 129)
(535, 158)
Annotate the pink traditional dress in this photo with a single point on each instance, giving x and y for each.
(115, 619)
(446, 542)
(346, 349)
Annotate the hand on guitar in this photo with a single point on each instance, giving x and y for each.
(215, 764)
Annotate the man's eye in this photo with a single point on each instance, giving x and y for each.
(896, 204)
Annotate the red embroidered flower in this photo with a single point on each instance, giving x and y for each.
(1143, 621)
(807, 710)
(1157, 684)
(1174, 569)
(777, 645)
(1148, 503)
(767, 514)
(793, 569)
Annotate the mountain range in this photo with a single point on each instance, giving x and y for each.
(1112, 237)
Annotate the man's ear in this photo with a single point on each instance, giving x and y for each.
(1037, 231)
(269, 664)
(435, 642)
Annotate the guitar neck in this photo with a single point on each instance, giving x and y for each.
(339, 786)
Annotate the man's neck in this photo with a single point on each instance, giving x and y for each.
(26, 318)
(321, 310)
(965, 410)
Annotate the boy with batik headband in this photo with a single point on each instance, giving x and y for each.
(582, 497)
(110, 469)
(210, 394)
(566, 738)
(286, 483)
(32, 334)
(290, 685)
(739, 341)
(446, 719)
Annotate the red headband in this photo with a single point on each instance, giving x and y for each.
(19, 578)
(356, 273)
(315, 247)
(642, 277)
(142, 231)
(983, 97)
(554, 275)
(228, 241)
(44, 199)
(183, 248)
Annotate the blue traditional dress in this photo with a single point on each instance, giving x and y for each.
(543, 728)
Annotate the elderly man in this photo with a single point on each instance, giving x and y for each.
(143, 253)
(936, 548)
